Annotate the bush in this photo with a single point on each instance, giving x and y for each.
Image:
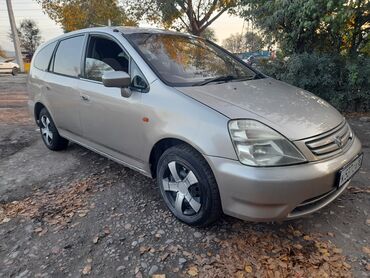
(343, 82)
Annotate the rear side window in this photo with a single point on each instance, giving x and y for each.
(67, 59)
(42, 58)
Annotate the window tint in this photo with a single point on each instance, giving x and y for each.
(42, 58)
(68, 56)
(185, 60)
(104, 55)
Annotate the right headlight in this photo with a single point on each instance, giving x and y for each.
(259, 145)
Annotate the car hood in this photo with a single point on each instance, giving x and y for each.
(294, 112)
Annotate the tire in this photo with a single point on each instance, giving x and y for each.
(195, 202)
(14, 71)
(49, 133)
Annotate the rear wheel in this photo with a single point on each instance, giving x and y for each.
(188, 186)
(49, 132)
(14, 71)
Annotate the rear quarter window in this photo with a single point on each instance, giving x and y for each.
(42, 58)
(67, 59)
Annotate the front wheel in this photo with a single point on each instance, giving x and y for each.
(49, 132)
(188, 186)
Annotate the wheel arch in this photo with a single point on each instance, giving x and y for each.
(161, 146)
(37, 109)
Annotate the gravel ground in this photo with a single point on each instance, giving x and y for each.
(75, 213)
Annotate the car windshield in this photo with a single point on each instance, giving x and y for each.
(184, 60)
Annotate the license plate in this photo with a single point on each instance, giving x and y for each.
(347, 172)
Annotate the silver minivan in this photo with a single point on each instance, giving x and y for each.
(217, 135)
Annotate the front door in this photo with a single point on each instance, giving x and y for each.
(108, 119)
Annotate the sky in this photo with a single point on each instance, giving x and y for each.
(224, 26)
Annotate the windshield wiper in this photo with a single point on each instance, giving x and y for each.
(224, 78)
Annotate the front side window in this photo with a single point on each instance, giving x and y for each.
(67, 59)
(42, 59)
(104, 55)
(186, 60)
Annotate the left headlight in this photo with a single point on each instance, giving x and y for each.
(258, 145)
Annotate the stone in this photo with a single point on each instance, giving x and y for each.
(55, 250)
(144, 265)
(197, 235)
(153, 270)
(14, 255)
(120, 268)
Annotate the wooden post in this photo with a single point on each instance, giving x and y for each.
(17, 48)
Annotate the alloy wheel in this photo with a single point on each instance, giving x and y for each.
(182, 189)
(45, 130)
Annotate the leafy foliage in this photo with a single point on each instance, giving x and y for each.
(234, 43)
(193, 16)
(209, 34)
(237, 43)
(344, 82)
(312, 25)
(78, 14)
(29, 35)
(253, 42)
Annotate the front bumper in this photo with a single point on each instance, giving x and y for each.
(272, 193)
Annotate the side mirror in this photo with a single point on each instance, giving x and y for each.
(118, 79)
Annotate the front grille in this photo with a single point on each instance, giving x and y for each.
(332, 142)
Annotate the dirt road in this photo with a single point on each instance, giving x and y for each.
(75, 213)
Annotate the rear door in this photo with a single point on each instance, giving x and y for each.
(62, 80)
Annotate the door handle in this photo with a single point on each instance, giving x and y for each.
(85, 98)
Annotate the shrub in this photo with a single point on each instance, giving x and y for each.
(342, 81)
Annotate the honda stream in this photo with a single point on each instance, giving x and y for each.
(217, 135)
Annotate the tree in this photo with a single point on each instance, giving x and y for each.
(234, 43)
(194, 16)
(78, 14)
(29, 36)
(253, 42)
(209, 34)
(237, 43)
(312, 25)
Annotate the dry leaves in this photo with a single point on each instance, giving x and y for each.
(287, 253)
(87, 269)
(192, 271)
(355, 189)
(366, 250)
(54, 206)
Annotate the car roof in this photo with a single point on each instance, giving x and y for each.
(125, 30)
(135, 30)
